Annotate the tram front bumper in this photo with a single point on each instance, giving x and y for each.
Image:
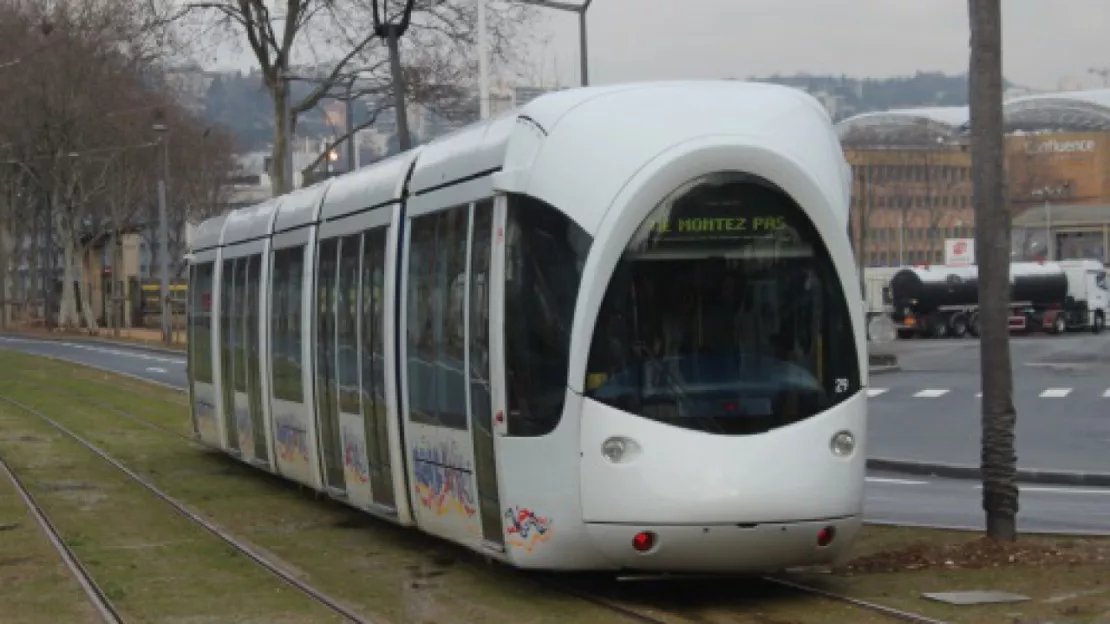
(725, 548)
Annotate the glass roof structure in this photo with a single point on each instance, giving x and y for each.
(1073, 111)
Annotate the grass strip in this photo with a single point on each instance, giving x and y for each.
(151, 563)
(36, 584)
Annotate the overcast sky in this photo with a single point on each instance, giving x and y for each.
(1044, 40)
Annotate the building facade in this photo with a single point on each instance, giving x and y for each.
(912, 188)
(907, 201)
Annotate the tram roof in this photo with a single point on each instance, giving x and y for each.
(576, 149)
(469, 151)
(209, 233)
(300, 207)
(249, 223)
(377, 185)
(597, 139)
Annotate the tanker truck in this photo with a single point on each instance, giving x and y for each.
(939, 301)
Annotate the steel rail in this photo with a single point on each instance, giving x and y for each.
(594, 597)
(904, 616)
(242, 548)
(95, 594)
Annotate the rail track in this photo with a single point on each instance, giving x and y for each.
(96, 595)
(652, 612)
(647, 615)
(100, 601)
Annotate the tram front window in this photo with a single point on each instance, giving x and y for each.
(724, 315)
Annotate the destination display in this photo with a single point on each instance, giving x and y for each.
(719, 225)
(732, 216)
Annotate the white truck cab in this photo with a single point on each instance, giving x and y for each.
(1088, 292)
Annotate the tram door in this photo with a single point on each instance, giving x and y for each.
(372, 342)
(327, 411)
(448, 421)
(351, 367)
(481, 393)
(228, 340)
(348, 362)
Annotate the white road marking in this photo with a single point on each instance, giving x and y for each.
(1106, 393)
(874, 392)
(1057, 490)
(978, 395)
(118, 352)
(1055, 393)
(898, 481)
(97, 349)
(155, 369)
(931, 393)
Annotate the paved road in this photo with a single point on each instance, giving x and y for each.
(151, 365)
(893, 499)
(930, 411)
(957, 504)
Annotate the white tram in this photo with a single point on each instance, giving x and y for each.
(608, 330)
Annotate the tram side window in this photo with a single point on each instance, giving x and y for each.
(437, 266)
(201, 290)
(373, 256)
(190, 322)
(227, 323)
(481, 402)
(544, 255)
(347, 324)
(724, 315)
(239, 334)
(286, 323)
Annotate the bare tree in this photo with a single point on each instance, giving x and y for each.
(69, 124)
(126, 193)
(353, 36)
(992, 250)
(202, 163)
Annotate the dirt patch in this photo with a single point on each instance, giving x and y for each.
(86, 495)
(22, 438)
(12, 561)
(68, 486)
(975, 555)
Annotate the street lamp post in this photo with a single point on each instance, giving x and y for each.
(580, 9)
(483, 48)
(163, 233)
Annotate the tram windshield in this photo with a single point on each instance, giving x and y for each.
(724, 315)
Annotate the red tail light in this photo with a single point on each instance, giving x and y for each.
(644, 541)
(826, 535)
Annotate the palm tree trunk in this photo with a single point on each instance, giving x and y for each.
(992, 250)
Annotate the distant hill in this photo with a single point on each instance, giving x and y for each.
(845, 96)
(239, 101)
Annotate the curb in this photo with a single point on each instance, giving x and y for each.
(879, 370)
(958, 471)
(117, 344)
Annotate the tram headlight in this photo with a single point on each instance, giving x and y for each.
(843, 444)
(619, 449)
